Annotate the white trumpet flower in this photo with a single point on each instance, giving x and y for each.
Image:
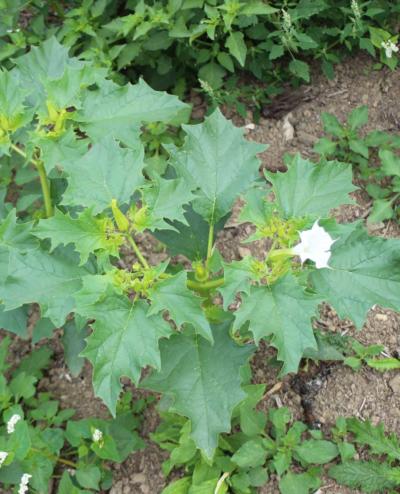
(315, 245)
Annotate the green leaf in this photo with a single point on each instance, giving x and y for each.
(218, 161)
(190, 241)
(66, 485)
(49, 280)
(86, 232)
(283, 311)
(35, 362)
(118, 111)
(22, 386)
(124, 340)
(364, 271)
(180, 486)
(390, 162)
(300, 69)
(369, 476)
(226, 61)
(308, 189)
(182, 304)
(317, 451)
(359, 147)
(213, 74)
(61, 150)
(381, 210)
(44, 63)
(325, 146)
(237, 277)
(88, 476)
(165, 199)
(250, 454)
(15, 321)
(93, 183)
(332, 125)
(375, 438)
(203, 381)
(358, 117)
(384, 364)
(255, 7)
(293, 483)
(237, 47)
(73, 341)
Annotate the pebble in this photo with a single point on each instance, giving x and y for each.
(394, 383)
(306, 138)
(244, 251)
(381, 317)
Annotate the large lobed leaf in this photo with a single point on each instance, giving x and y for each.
(124, 339)
(284, 311)
(118, 111)
(203, 380)
(218, 162)
(86, 232)
(311, 190)
(49, 280)
(104, 173)
(364, 271)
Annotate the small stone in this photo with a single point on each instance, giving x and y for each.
(306, 138)
(244, 251)
(381, 317)
(395, 384)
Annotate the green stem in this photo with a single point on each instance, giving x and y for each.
(56, 458)
(136, 250)
(43, 180)
(48, 206)
(207, 285)
(210, 241)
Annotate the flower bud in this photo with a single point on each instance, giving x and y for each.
(120, 219)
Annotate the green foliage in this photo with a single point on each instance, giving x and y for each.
(172, 43)
(375, 158)
(83, 204)
(262, 445)
(38, 437)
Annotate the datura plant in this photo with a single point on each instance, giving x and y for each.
(74, 165)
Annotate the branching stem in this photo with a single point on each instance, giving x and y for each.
(48, 206)
(207, 285)
(57, 459)
(136, 250)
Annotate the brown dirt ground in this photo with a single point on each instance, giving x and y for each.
(319, 395)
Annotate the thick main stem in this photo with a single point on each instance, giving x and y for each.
(136, 250)
(48, 206)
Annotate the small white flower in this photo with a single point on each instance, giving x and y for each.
(23, 484)
(356, 9)
(3, 457)
(12, 423)
(97, 436)
(315, 245)
(286, 21)
(389, 48)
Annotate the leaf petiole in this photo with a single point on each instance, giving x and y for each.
(43, 180)
(136, 250)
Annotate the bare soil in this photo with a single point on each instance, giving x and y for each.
(319, 394)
